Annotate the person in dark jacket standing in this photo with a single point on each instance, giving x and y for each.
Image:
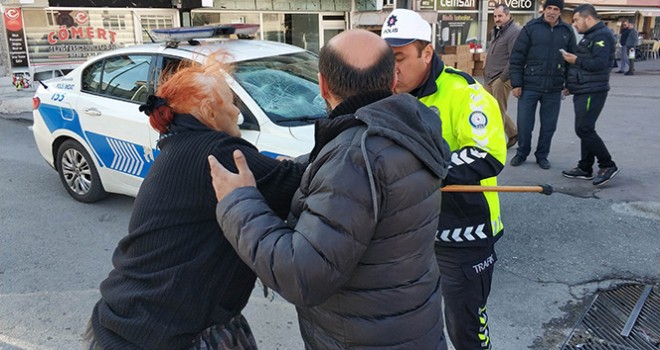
(358, 259)
(628, 43)
(588, 81)
(538, 73)
(177, 283)
(496, 70)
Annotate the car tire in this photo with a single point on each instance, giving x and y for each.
(78, 173)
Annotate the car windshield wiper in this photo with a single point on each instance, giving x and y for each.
(300, 119)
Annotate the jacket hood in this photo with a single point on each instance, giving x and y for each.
(410, 124)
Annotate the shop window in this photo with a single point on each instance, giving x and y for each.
(301, 30)
(211, 18)
(114, 21)
(154, 22)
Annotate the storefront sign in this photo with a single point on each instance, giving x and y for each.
(457, 29)
(64, 34)
(426, 5)
(73, 39)
(446, 5)
(16, 37)
(513, 5)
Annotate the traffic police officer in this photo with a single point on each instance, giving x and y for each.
(470, 223)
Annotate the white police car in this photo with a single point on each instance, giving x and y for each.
(88, 127)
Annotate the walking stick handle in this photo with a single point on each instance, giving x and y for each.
(544, 189)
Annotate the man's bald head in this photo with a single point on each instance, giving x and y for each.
(356, 61)
(359, 48)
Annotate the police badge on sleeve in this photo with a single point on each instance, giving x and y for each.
(478, 120)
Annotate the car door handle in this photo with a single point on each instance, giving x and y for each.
(93, 112)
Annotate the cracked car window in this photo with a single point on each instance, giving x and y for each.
(285, 87)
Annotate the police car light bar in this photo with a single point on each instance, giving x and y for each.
(176, 35)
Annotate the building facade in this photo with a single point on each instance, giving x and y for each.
(37, 34)
(41, 36)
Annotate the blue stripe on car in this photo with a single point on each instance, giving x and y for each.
(270, 154)
(56, 117)
(116, 154)
(122, 156)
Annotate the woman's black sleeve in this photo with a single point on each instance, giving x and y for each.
(276, 180)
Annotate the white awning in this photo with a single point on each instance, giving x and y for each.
(644, 11)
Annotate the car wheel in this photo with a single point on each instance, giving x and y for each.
(78, 173)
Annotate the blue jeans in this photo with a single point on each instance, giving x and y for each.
(549, 115)
(625, 61)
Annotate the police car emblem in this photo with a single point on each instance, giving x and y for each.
(478, 120)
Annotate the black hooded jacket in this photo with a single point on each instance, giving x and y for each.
(595, 55)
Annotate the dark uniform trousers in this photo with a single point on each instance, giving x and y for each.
(466, 276)
(587, 109)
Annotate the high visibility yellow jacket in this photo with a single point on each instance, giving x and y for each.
(472, 126)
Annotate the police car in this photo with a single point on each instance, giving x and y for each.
(87, 125)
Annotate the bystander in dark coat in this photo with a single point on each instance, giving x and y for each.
(588, 81)
(538, 73)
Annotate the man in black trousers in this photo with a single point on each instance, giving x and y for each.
(588, 81)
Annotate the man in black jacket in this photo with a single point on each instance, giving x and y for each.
(628, 42)
(588, 81)
(538, 73)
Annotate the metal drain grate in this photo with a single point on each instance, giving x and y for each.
(601, 326)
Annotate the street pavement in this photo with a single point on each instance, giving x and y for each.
(558, 251)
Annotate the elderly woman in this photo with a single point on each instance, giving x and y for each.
(177, 283)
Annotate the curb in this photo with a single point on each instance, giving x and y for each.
(18, 105)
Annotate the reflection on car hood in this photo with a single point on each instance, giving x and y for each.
(303, 133)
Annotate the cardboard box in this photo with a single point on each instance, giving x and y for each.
(449, 60)
(450, 50)
(479, 57)
(464, 57)
(464, 49)
(477, 72)
(463, 66)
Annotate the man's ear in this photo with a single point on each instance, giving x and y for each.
(323, 86)
(428, 53)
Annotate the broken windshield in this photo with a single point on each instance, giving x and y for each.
(285, 87)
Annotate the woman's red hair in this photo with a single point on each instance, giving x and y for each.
(191, 89)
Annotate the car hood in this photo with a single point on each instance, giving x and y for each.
(304, 133)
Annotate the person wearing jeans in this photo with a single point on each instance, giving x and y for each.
(549, 116)
(628, 41)
(538, 73)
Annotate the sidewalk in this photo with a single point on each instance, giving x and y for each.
(17, 104)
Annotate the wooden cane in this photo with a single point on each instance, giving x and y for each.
(544, 189)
